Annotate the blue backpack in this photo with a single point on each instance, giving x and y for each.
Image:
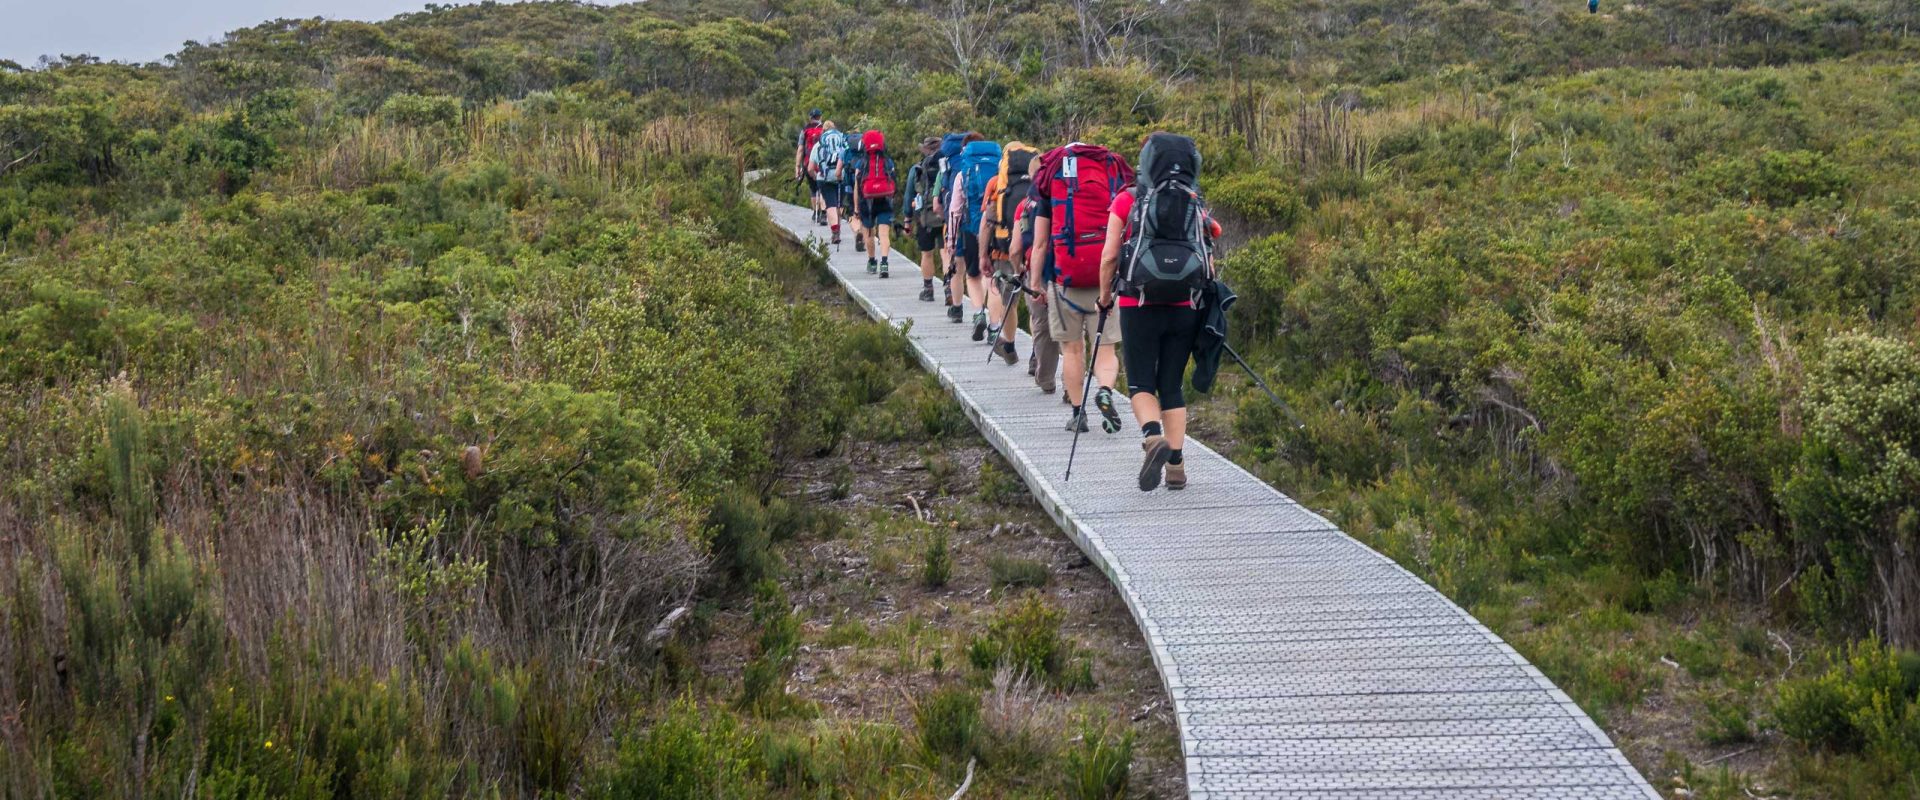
(829, 155)
(978, 164)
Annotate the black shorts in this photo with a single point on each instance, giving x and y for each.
(927, 239)
(1159, 343)
(876, 211)
(829, 192)
(813, 185)
(968, 248)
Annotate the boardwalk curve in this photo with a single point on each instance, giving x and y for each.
(1301, 664)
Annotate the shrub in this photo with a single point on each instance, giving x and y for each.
(949, 723)
(938, 562)
(742, 543)
(1262, 199)
(1778, 178)
(1020, 725)
(1867, 700)
(683, 757)
(421, 109)
(1097, 768)
(1025, 637)
(1022, 573)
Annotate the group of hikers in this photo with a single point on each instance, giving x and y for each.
(1108, 259)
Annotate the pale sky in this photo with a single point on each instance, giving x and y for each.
(146, 30)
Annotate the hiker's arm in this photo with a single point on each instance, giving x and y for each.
(1110, 257)
(1037, 255)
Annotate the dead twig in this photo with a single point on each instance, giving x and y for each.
(965, 784)
(1720, 758)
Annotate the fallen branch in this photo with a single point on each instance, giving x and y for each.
(964, 784)
(1782, 643)
(1718, 759)
(665, 628)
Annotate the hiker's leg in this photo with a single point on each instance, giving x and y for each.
(1181, 327)
(1046, 352)
(886, 239)
(1141, 329)
(1106, 364)
(1068, 332)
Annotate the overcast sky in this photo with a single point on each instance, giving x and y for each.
(145, 30)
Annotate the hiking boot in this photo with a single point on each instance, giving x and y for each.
(1078, 422)
(836, 236)
(1005, 349)
(979, 325)
(859, 244)
(1177, 476)
(883, 269)
(1109, 416)
(1158, 451)
(1033, 365)
(954, 314)
(872, 265)
(926, 294)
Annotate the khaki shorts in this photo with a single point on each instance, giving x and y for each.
(1069, 324)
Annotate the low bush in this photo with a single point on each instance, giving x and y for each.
(949, 723)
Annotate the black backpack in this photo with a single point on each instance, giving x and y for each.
(927, 216)
(1018, 184)
(1166, 257)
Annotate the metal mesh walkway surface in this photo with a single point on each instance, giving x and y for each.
(1301, 664)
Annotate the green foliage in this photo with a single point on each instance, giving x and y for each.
(1267, 202)
(936, 566)
(1868, 700)
(1025, 639)
(1778, 178)
(1000, 485)
(683, 756)
(1022, 573)
(763, 688)
(949, 723)
(1097, 767)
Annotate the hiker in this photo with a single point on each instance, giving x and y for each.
(828, 170)
(809, 136)
(876, 189)
(950, 147)
(1159, 251)
(1072, 195)
(979, 161)
(923, 219)
(855, 159)
(1005, 191)
(1043, 363)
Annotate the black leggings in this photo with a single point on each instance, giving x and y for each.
(1158, 341)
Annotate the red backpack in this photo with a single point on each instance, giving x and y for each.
(879, 172)
(1080, 180)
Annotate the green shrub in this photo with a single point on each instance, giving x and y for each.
(949, 723)
(683, 756)
(1867, 700)
(1264, 200)
(937, 566)
(1000, 486)
(421, 110)
(1023, 573)
(1778, 178)
(763, 682)
(1098, 767)
(1025, 637)
(742, 541)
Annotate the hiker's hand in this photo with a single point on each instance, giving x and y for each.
(1106, 299)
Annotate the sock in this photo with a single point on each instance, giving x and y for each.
(883, 259)
(926, 283)
(1150, 429)
(836, 229)
(1175, 458)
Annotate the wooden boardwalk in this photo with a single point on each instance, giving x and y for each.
(1300, 663)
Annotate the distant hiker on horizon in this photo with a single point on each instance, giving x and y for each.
(802, 167)
(876, 186)
(828, 169)
(1072, 195)
(923, 218)
(1158, 256)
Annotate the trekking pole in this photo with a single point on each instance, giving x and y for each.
(1011, 287)
(1284, 408)
(1093, 357)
